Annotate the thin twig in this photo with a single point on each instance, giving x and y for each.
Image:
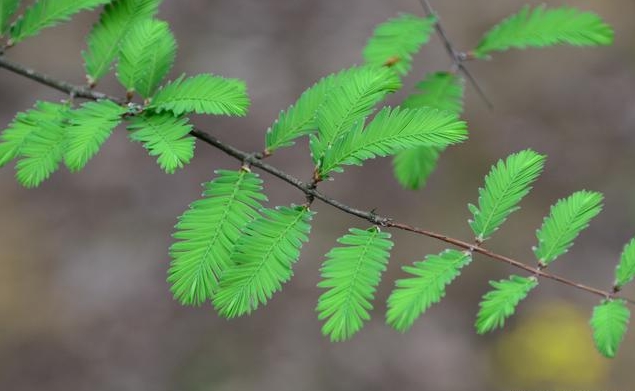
(68, 88)
(458, 58)
(255, 159)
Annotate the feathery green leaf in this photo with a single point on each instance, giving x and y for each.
(165, 136)
(47, 13)
(567, 219)
(203, 94)
(15, 136)
(352, 101)
(412, 167)
(207, 232)
(7, 9)
(439, 90)
(351, 274)
(500, 304)
(505, 186)
(300, 118)
(146, 56)
(626, 269)
(426, 286)
(89, 127)
(609, 323)
(395, 41)
(391, 131)
(43, 147)
(542, 27)
(106, 36)
(263, 258)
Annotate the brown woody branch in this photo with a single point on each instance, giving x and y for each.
(255, 159)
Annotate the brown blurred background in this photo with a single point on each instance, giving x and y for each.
(83, 300)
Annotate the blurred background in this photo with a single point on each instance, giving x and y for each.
(83, 300)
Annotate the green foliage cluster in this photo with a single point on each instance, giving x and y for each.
(231, 250)
(144, 50)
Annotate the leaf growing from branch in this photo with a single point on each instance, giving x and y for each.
(208, 231)
(609, 323)
(542, 27)
(426, 286)
(351, 274)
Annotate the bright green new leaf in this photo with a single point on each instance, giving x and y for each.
(89, 127)
(395, 41)
(439, 90)
(203, 94)
(207, 231)
(413, 166)
(299, 119)
(567, 219)
(362, 84)
(43, 148)
(47, 13)
(626, 269)
(15, 136)
(609, 323)
(351, 102)
(262, 260)
(500, 304)
(7, 9)
(106, 36)
(146, 56)
(351, 274)
(165, 136)
(391, 131)
(426, 286)
(542, 27)
(505, 186)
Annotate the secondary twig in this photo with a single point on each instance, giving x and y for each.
(458, 58)
(307, 188)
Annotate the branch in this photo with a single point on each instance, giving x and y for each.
(255, 159)
(71, 89)
(458, 57)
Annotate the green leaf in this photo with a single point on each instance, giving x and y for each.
(47, 13)
(626, 269)
(106, 36)
(351, 102)
(505, 186)
(413, 166)
(395, 41)
(391, 131)
(439, 90)
(351, 274)
(609, 323)
(262, 257)
(426, 286)
(146, 56)
(165, 136)
(90, 126)
(442, 91)
(567, 219)
(207, 232)
(542, 27)
(7, 9)
(43, 147)
(500, 304)
(24, 124)
(300, 118)
(203, 94)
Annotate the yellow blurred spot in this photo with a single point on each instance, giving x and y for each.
(550, 347)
